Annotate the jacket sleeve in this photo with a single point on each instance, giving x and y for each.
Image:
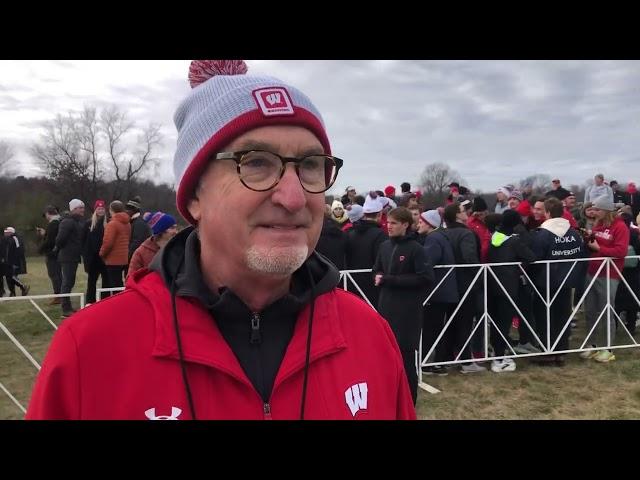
(468, 247)
(108, 239)
(64, 231)
(523, 252)
(432, 251)
(56, 394)
(50, 237)
(380, 239)
(620, 243)
(136, 262)
(423, 275)
(537, 245)
(377, 267)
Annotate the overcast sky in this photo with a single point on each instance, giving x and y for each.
(493, 121)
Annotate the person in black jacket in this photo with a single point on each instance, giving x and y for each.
(332, 242)
(466, 250)
(619, 196)
(93, 264)
(403, 275)
(624, 301)
(506, 246)
(47, 248)
(363, 242)
(140, 230)
(12, 262)
(556, 240)
(68, 247)
(443, 300)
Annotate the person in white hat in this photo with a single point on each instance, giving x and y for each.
(12, 263)
(68, 248)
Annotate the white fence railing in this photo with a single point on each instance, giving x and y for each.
(486, 278)
(483, 316)
(31, 299)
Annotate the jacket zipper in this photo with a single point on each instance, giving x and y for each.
(255, 329)
(266, 409)
(393, 253)
(256, 339)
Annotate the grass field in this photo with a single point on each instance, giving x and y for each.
(580, 390)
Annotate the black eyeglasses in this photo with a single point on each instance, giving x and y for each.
(261, 171)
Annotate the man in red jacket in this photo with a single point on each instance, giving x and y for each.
(237, 318)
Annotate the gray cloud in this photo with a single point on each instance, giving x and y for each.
(493, 121)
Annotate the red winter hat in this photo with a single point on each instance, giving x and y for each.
(99, 203)
(389, 190)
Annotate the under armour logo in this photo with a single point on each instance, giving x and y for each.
(175, 413)
(356, 397)
(273, 101)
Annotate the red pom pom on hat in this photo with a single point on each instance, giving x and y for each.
(202, 70)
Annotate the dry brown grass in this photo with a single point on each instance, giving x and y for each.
(580, 390)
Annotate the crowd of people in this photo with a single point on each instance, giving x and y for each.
(111, 244)
(240, 315)
(362, 232)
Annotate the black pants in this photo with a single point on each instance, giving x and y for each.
(114, 275)
(558, 315)
(459, 331)
(433, 321)
(502, 317)
(55, 274)
(68, 270)
(409, 359)
(525, 304)
(11, 279)
(92, 280)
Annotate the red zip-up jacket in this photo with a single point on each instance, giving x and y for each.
(118, 359)
(484, 236)
(614, 242)
(566, 214)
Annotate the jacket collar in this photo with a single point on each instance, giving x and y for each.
(203, 343)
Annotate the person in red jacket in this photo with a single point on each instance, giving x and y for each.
(476, 223)
(237, 317)
(163, 228)
(610, 238)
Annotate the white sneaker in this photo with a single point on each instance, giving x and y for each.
(505, 365)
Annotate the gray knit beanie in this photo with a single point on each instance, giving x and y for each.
(224, 104)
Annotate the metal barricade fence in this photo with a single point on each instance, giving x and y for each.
(31, 299)
(483, 318)
(485, 276)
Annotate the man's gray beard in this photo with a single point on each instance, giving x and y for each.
(276, 260)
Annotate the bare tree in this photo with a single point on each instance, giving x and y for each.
(87, 133)
(6, 155)
(77, 150)
(128, 166)
(539, 183)
(60, 155)
(435, 179)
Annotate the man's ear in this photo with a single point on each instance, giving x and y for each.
(194, 208)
